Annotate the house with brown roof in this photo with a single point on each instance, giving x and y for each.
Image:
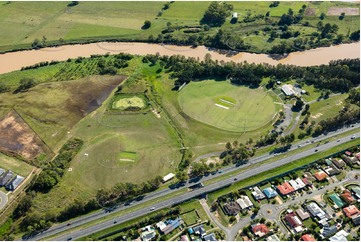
(320, 175)
(351, 211)
(339, 163)
(309, 176)
(347, 197)
(231, 208)
(302, 214)
(331, 170)
(294, 222)
(306, 181)
(350, 160)
(285, 189)
(260, 230)
(307, 237)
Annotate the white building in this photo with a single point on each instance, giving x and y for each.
(287, 89)
(168, 177)
(339, 236)
(244, 202)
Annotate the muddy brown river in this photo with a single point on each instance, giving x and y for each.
(15, 60)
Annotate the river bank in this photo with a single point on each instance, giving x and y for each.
(16, 60)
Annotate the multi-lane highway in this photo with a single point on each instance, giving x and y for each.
(85, 219)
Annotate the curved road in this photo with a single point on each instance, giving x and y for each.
(3, 199)
(184, 197)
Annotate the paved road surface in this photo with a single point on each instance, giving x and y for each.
(183, 197)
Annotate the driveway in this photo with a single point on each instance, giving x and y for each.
(3, 200)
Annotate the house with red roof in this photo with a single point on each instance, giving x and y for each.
(260, 230)
(307, 237)
(347, 197)
(320, 176)
(351, 211)
(285, 188)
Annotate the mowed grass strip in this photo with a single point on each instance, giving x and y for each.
(226, 106)
(125, 103)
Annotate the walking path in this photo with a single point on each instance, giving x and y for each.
(3, 200)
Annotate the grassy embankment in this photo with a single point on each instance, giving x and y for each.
(124, 20)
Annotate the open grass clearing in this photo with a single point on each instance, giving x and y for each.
(86, 20)
(17, 166)
(109, 142)
(327, 108)
(226, 106)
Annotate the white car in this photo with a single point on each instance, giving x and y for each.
(152, 208)
(353, 137)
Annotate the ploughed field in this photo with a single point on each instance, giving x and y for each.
(226, 106)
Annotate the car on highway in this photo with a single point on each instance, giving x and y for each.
(338, 140)
(69, 238)
(353, 137)
(299, 146)
(68, 224)
(316, 150)
(220, 171)
(152, 208)
(235, 179)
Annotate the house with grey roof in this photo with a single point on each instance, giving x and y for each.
(14, 183)
(210, 237)
(328, 231)
(6, 177)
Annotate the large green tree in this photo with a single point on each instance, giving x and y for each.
(217, 13)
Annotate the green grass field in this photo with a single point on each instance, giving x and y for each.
(127, 102)
(17, 166)
(123, 20)
(226, 106)
(327, 108)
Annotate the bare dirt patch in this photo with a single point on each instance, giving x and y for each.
(316, 115)
(86, 97)
(18, 138)
(310, 12)
(335, 11)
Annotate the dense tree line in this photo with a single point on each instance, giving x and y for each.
(53, 172)
(126, 191)
(338, 76)
(238, 153)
